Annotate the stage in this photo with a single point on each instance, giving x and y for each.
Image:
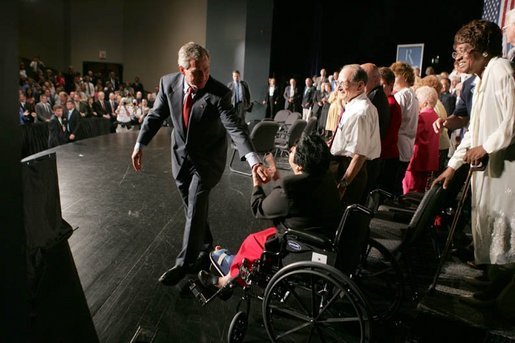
(128, 229)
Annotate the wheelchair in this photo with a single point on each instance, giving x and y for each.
(309, 285)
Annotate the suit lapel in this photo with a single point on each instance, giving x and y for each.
(176, 94)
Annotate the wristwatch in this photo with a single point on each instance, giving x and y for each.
(344, 183)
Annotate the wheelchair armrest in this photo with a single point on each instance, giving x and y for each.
(309, 238)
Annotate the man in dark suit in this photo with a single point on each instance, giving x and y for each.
(43, 109)
(376, 94)
(72, 119)
(240, 94)
(200, 110)
(271, 98)
(292, 97)
(57, 133)
(308, 98)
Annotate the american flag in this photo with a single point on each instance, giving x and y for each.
(495, 10)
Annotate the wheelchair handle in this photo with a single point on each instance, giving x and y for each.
(481, 166)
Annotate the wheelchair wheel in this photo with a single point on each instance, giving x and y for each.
(238, 328)
(314, 302)
(380, 278)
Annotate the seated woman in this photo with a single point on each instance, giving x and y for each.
(306, 200)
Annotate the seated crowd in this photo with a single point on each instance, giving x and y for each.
(65, 99)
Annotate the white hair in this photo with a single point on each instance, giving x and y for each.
(510, 17)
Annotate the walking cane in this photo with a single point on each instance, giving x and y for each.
(477, 167)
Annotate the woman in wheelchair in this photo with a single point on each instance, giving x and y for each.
(307, 200)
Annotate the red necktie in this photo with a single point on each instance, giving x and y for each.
(186, 108)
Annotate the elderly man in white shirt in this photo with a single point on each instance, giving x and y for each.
(356, 139)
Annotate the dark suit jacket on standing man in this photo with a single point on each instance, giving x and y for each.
(243, 105)
(73, 121)
(57, 133)
(272, 102)
(199, 151)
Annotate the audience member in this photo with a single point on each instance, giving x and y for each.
(509, 31)
(26, 113)
(44, 109)
(446, 97)
(271, 98)
(137, 85)
(405, 96)
(424, 160)
(357, 138)
(307, 98)
(89, 108)
(333, 113)
(376, 94)
(240, 95)
(292, 96)
(322, 103)
(319, 80)
(478, 47)
(444, 142)
(72, 120)
(306, 200)
(57, 132)
(389, 145)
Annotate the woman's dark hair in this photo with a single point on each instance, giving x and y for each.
(312, 154)
(483, 35)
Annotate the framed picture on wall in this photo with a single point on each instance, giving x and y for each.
(411, 53)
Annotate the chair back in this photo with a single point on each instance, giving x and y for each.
(311, 125)
(263, 136)
(281, 116)
(295, 131)
(351, 237)
(431, 203)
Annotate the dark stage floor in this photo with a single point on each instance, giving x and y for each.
(129, 229)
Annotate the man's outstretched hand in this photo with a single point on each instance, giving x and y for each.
(137, 156)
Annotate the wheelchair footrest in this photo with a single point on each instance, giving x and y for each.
(203, 295)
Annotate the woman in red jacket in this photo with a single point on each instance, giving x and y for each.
(424, 160)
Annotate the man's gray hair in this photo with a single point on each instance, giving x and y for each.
(191, 51)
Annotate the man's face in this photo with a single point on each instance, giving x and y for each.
(197, 74)
(347, 87)
(43, 98)
(236, 77)
(59, 112)
(70, 106)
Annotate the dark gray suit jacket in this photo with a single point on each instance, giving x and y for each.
(245, 93)
(204, 143)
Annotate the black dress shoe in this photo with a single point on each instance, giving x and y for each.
(207, 279)
(172, 276)
(202, 262)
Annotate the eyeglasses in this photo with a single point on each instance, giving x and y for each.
(344, 84)
(459, 53)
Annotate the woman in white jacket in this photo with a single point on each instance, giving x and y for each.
(478, 47)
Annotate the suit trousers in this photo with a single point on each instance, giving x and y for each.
(240, 111)
(357, 188)
(197, 234)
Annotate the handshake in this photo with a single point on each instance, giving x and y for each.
(264, 173)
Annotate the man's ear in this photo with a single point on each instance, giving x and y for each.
(182, 70)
